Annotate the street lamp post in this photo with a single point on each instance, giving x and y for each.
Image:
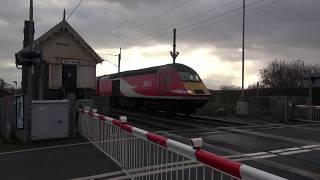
(242, 106)
(243, 49)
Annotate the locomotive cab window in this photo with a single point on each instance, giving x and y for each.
(187, 76)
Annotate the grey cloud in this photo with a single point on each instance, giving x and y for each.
(289, 29)
(9, 73)
(216, 81)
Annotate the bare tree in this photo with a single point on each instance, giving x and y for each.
(254, 85)
(284, 74)
(5, 85)
(230, 87)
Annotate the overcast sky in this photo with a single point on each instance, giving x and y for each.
(209, 33)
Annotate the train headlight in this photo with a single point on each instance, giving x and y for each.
(189, 92)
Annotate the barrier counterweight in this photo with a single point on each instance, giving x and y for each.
(144, 155)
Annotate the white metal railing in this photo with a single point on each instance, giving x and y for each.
(305, 112)
(144, 155)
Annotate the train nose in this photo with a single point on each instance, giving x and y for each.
(196, 88)
(199, 91)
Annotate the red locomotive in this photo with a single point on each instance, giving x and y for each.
(170, 88)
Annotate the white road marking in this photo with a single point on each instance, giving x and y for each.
(233, 156)
(274, 153)
(265, 156)
(311, 146)
(295, 152)
(42, 148)
(208, 133)
(143, 171)
(153, 171)
(105, 175)
(287, 149)
(271, 126)
(57, 146)
(306, 128)
(243, 157)
(276, 137)
(256, 154)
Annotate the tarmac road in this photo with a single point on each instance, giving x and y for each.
(52, 160)
(290, 151)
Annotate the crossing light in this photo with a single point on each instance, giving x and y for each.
(27, 58)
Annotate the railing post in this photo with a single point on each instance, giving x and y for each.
(286, 109)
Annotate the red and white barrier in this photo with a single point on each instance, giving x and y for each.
(227, 166)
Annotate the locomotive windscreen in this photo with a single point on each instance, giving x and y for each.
(188, 76)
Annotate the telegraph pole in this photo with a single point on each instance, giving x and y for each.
(30, 47)
(28, 89)
(243, 33)
(173, 53)
(27, 58)
(119, 59)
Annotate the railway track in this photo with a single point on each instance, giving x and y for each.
(159, 121)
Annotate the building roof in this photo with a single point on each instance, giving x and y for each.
(64, 25)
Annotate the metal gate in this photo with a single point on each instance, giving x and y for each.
(275, 107)
(305, 113)
(145, 155)
(7, 117)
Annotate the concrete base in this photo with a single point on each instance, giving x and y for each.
(23, 135)
(242, 108)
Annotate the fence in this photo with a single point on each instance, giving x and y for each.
(304, 112)
(145, 155)
(84, 103)
(275, 107)
(2, 117)
(7, 116)
(101, 103)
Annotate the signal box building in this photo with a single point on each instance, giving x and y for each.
(67, 65)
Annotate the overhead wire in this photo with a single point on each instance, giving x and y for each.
(215, 22)
(163, 13)
(153, 4)
(109, 62)
(206, 20)
(220, 15)
(165, 34)
(138, 26)
(106, 54)
(230, 17)
(155, 34)
(74, 9)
